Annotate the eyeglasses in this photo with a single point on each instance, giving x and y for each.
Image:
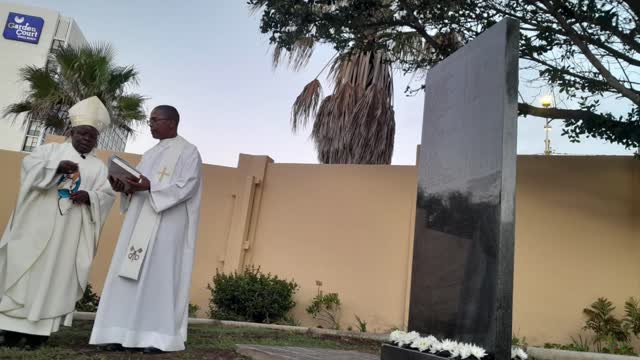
(155, 121)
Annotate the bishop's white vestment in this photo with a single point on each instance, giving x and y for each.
(46, 254)
(145, 300)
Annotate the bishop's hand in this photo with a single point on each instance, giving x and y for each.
(80, 197)
(116, 184)
(67, 167)
(136, 185)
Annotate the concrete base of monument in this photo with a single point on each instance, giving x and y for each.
(392, 352)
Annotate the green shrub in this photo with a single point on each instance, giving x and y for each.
(614, 346)
(193, 310)
(603, 323)
(580, 343)
(325, 308)
(89, 301)
(611, 335)
(520, 342)
(362, 325)
(251, 296)
(631, 321)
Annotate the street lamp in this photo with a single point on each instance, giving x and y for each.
(546, 102)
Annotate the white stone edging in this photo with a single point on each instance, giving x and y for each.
(555, 354)
(297, 329)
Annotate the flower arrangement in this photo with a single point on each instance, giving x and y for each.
(446, 348)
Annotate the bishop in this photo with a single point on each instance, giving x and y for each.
(51, 238)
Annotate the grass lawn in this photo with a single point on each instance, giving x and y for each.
(205, 342)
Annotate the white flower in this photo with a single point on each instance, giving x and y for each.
(396, 335)
(454, 353)
(432, 338)
(436, 347)
(464, 350)
(421, 344)
(409, 338)
(402, 338)
(518, 353)
(478, 352)
(522, 354)
(449, 345)
(456, 350)
(432, 341)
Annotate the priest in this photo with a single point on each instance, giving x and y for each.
(51, 238)
(145, 300)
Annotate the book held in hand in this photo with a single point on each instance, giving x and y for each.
(120, 169)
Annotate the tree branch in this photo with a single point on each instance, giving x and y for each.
(584, 122)
(413, 22)
(634, 5)
(615, 53)
(523, 19)
(629, 39)
(601, 83)
(560, 114)
(575, 37)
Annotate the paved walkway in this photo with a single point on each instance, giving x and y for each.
(257, 352)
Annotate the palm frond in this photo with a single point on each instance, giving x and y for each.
(13, 110)
(306, 104)
(297, 56)
(128, 112)
(55, 120)
(42, 81)
(123, 76)
(356, 123)
(76, 74)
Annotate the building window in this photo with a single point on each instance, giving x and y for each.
(33, 137)
(57, 44)
(113, 139)
(31, 143)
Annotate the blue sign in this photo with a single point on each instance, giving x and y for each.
(26, 28)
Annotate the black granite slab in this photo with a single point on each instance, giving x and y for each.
(462, 276)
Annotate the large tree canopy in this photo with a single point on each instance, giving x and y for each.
(586, 50)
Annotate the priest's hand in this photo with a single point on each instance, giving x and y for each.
(81, 197)
(67, 167)
(116, 184)
(136, 185)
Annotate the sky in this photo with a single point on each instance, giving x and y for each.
(209, 60)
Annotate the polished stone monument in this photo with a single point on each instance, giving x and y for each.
(462, 276)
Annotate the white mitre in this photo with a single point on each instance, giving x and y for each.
(90, 111)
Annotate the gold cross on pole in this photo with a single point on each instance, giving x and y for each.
(163, 173)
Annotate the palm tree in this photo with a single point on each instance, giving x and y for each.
(355, 124)
(74, 74)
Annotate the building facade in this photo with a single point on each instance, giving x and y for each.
(30, 34)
